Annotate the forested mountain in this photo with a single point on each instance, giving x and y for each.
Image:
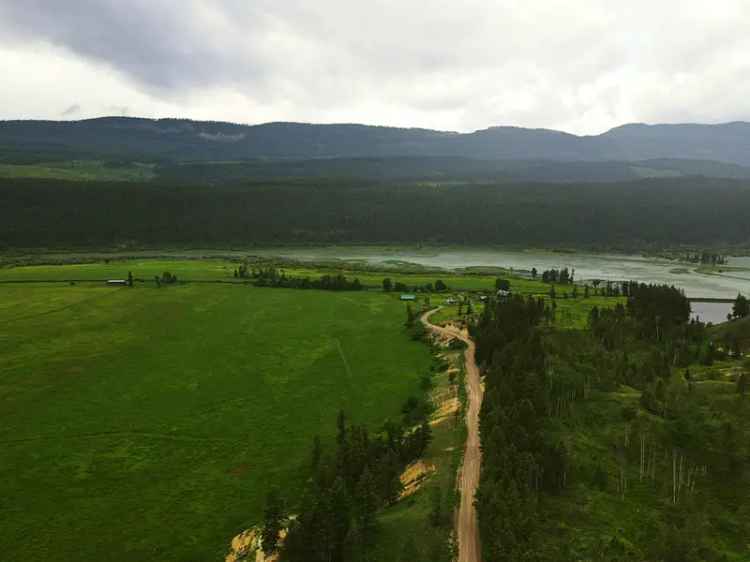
(627, 215)
(183, 140)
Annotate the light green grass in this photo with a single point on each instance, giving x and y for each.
(222, 269)
(79, 170)
(198, 269)
(144, 424)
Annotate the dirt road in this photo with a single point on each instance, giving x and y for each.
(467, 528)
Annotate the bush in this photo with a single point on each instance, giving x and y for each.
(629, 413)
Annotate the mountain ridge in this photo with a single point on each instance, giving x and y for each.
(178, 139)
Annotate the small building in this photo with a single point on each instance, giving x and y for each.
(503, 294)
(450, 301)
(117, 282)
(408, 297)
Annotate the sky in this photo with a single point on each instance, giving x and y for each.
(581, 66)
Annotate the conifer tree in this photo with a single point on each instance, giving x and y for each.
(272, 522)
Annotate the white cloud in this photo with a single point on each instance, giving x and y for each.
(580, 66)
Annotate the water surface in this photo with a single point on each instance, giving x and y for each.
(613, 267)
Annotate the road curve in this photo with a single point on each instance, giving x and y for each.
(467, 528)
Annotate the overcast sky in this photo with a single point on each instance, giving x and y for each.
(578, 65)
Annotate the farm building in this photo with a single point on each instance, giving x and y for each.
(117, 282)
(408, 297)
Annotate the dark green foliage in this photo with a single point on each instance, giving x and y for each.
(317, 452)
(367, 502)
(741, 307)
(338, 510)
(679, 455)
(410, 553)
(502, 285)
(647, 213)
(414, 410)
(273, 522)
(743, 383)
(600, 477)
(387, 284)
(562, 276)
(273, 277)
(517, 463)
(657, 307)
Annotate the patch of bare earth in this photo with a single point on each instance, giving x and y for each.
(247, 547)
(446, 410)
(415, 475)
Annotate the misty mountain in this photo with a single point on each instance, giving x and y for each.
(182, 140)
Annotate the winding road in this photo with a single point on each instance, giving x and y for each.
(467, 528)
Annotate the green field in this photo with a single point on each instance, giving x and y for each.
(144, 424)
(80, 170)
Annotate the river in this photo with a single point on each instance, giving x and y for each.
(614, 267)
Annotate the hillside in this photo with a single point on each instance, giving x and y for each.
(184, 140)
(629, 215)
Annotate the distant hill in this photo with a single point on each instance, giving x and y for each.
(180, 140)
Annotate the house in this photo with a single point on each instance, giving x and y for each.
(450, 301)
(503, 294)
(408, 297)
(117, 282)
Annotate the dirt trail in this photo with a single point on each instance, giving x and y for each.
(467, 528)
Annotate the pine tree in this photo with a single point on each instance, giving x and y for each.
(741, 307)
(339, 513)
(317, 452)
(389, 474)
(272, 522)
(366, 507)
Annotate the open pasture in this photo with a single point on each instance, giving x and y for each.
(151, 422)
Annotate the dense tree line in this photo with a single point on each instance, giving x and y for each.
(51, 213)
(519, 462)
(680, 445)
(335, 519)
(273, 277)
(562, 276)
(389, 285)
(741, 307)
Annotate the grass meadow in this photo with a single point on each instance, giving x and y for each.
(79, 170)
(147, 424)
(151, 422)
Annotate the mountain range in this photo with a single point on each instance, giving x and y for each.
(183, 140)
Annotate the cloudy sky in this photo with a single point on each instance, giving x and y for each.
(578, 65)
